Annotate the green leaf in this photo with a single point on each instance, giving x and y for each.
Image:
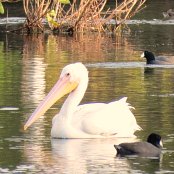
(48, 17)
(52, 13)
(64, 1)
(1, 8)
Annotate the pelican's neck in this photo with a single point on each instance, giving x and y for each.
(73, 100)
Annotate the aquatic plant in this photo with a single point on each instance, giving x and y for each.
(1, 8)
(79, 15)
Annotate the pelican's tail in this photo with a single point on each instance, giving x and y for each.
(139, 128)
(124, 101)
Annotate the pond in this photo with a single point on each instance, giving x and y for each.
(30, 66)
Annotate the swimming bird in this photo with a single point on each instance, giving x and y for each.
(94, 120)
(151, 148)
(169, 14)
(160, 60)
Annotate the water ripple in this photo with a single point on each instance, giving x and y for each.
(18, 20)
(9, 108)
(126, 65)
(116, 65)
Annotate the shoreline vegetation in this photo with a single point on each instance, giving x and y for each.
(72, 16)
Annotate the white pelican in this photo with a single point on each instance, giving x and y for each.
(95, 120)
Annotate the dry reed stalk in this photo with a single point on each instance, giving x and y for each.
(83, 15)
(35, 11)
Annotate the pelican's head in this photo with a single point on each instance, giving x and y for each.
(75, 71)
(71, 76)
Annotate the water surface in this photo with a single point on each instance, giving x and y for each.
(30, 65)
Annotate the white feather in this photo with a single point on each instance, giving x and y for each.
(93, 120)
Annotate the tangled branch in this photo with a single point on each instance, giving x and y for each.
(83, 15)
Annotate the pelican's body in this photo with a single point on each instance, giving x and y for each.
(95, 120)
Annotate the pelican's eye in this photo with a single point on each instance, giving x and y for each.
(67, 74)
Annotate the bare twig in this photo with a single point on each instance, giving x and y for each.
(81, 15)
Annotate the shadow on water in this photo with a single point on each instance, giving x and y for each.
(76, 155)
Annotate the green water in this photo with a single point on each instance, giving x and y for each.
(29, 67)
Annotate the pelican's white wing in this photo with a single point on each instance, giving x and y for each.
(112, 119)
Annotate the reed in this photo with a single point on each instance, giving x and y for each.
(35, 11)
(79, 15)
